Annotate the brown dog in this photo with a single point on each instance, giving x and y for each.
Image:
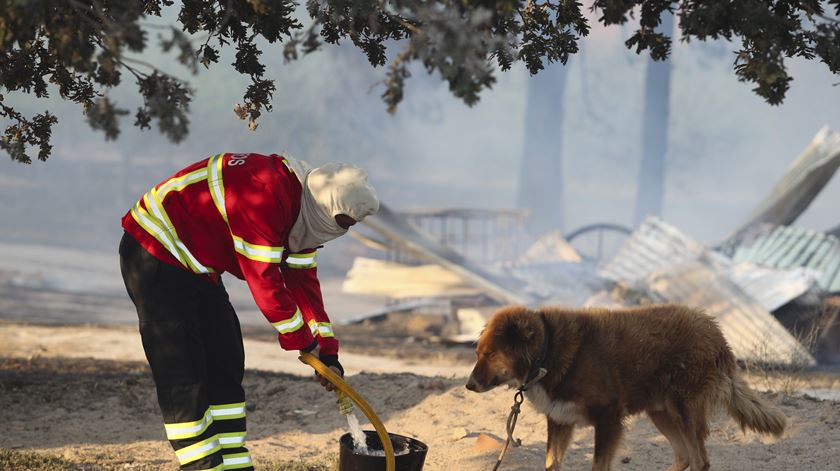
(670, 362)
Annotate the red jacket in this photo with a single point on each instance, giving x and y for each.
(232, 213)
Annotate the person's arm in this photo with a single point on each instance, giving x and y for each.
(259, 220)
(301, 275)
(276, 302)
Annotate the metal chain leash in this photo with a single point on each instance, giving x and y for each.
(537, 373)
(510, 426)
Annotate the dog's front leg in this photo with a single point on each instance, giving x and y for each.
(559, 436)
(608, 430)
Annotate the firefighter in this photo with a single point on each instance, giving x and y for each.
(260, 218)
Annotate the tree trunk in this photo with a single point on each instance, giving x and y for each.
(655, 132)
(541, 175)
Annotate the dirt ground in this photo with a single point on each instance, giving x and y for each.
(101, 412)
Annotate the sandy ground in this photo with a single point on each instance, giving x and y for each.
(123, 343)
(85, 394)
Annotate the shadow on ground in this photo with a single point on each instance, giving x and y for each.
(58, 402)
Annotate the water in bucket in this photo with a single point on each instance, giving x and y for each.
(410, 453)
(363, 451)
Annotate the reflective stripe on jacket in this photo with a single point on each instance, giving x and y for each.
(232, 213)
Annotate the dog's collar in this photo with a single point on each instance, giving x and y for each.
(538, 370)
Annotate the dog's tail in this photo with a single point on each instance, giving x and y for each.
(751, 412)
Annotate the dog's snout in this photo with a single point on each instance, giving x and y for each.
(472, 386)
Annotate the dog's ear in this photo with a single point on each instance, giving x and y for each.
(518, 329)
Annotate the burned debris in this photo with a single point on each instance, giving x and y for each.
(772, 286)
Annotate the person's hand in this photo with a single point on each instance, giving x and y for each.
(325, 382)
(332, 362)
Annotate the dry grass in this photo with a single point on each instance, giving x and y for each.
(324, 465)
(28, 461)
(791, 378)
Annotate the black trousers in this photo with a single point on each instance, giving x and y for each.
(193, 343)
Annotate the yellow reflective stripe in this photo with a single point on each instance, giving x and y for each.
(147, 222)
(237, 460)
(179, 183)
(228, 411)
(156, 222)
(262, 253)
(177, 431)
(324, 329)
(289, 167)
(215, 181)
(301, 260)
(199, 450)
(155, 203)
(217, 186)
(231, 439)
(291, 324)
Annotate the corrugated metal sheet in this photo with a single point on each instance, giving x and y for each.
(801, 183)
(656, 245)
(752, 332)
(653, 246)
(793, 247)
(673, 267)
(773, 288)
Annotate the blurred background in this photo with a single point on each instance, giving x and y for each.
(563, 150)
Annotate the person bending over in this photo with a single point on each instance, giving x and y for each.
(260, 218)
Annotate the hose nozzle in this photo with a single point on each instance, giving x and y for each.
(345, 404)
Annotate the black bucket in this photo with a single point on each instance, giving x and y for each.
(348, 460)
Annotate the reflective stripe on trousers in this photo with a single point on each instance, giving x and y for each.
(216, 441)
(229, 422)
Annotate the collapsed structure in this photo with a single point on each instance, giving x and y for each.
(771, 286)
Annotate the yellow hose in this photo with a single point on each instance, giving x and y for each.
(342, 386)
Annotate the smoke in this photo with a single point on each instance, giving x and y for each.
(726, 146)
